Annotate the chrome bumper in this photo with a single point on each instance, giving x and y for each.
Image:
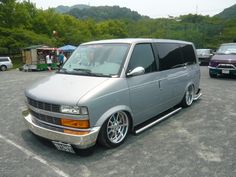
(80, 141)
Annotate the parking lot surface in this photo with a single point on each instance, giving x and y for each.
(199, 141)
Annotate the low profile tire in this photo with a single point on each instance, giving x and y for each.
(3, 68)
(114, 130)
(188, 96)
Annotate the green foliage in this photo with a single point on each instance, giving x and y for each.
(111, 29)
(23, 25)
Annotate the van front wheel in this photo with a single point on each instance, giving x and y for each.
(188, 97)
(114, 130)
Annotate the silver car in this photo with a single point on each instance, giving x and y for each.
(204, 56)
(5, 63)
(109, 88)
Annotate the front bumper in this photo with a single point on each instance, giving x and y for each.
(80, 141)
(220, 71)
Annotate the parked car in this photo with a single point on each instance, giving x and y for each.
(224, 61)
(5, 63)
(204, 56)
(107, 88)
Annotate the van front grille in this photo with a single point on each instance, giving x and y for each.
(44, 106)
(46, 118)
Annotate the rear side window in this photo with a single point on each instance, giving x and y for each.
(169, 55)
(188, 54)
(143, 56)
(4, 59)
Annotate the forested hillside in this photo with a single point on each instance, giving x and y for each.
(22, 25)
(100, 13)
(64, 9)
(228, 13)
(104, 13)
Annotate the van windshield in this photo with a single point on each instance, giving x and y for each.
(97, 60)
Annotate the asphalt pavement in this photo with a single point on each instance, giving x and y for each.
(199, 141)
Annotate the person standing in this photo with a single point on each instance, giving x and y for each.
(61, 59)
(49, 62)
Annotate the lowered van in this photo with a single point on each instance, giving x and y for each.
(109, 88)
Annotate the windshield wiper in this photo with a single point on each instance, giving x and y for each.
(62, 70)
(89, 73)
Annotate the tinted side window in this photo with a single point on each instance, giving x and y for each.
(188, 54)
(4, 59)
(169, 55)
(143, 56)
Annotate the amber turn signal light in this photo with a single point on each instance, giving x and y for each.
(75, 123)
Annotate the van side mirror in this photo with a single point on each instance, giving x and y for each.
(136, 71)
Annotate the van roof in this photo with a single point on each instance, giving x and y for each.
(136, 40)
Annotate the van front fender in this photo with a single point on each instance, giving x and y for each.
(111, 111)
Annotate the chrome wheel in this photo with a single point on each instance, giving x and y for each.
(189, 96)
(117, 127)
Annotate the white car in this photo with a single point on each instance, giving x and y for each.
(5, 63)
(204, 55)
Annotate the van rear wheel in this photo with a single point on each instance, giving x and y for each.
(114, 130)
(188, 97)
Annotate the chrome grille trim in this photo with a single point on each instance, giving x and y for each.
(43, 105)
(58, 115)
(226, 66)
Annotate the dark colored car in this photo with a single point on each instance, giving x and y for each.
(204, 56)
(224, 61)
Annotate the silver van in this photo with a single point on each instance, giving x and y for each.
(5, 63)
(109, 88)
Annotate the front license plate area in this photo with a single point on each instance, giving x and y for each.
(63, 147)
(225, 71)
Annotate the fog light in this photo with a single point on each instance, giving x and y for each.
(75, 123)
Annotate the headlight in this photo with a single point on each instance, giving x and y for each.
(74, 110)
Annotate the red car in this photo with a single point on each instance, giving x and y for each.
(224, 61)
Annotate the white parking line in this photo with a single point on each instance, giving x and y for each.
(34, 156)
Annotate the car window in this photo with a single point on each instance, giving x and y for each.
(143, 56)
(188, 54)
(169, 55)
(4, 59)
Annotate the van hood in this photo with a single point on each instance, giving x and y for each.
(63, 89)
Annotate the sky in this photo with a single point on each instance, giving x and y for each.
(151, 8)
